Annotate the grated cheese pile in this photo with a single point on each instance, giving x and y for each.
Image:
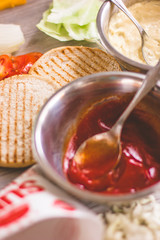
(139, 220)
(10, 3)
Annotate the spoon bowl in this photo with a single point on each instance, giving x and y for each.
(104, 149)
(93, 152)
(149, 54)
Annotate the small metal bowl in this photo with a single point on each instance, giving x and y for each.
(60, 113)
(103, 18)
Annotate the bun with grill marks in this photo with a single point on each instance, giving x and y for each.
(21, 97)
(65, 64)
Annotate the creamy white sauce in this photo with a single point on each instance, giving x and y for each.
(125, 37)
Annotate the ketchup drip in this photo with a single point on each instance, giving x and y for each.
(139, 166)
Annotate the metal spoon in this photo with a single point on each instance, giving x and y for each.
(148, 53)
(104, 149)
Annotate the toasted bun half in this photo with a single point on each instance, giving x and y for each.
(20, 100)
(66, 64)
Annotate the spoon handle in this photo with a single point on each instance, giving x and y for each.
(120, 5)
(148, 83)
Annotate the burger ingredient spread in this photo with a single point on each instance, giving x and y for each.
(125, 37)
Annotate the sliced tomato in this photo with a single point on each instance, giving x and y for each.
(6, 66)
(10, 66)
(23, 63)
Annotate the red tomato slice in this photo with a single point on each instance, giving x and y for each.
(10, 66)
(23, 63)
(6, 67)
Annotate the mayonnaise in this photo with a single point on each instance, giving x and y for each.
(125, 37)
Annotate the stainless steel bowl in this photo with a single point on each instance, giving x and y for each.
(60, 113)
(103, 18)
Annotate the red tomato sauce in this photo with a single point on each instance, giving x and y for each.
(139, 166)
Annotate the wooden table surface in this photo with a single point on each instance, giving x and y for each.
(27, 16)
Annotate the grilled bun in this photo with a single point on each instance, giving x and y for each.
(64, 64)
(20, 100)
(21, 97)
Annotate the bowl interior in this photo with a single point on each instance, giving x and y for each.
(59, 116)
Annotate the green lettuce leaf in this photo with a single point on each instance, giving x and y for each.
(87, 32)
(71, 19)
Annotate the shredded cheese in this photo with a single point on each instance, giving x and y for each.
(10, 3)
